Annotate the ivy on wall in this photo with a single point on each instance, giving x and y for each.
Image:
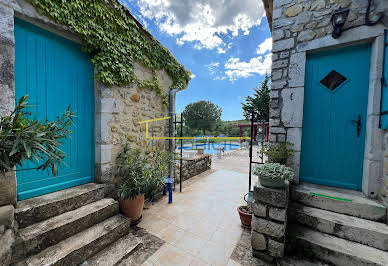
(115, 41)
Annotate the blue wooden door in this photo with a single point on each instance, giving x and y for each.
(334, 117)
(55, 73)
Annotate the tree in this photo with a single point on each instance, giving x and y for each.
(259, 102)
(202, 116)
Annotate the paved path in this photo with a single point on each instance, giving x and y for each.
(202, 226)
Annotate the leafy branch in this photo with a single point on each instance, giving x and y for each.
(22, 138)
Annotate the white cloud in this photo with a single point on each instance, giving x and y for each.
(213, 67)
(236, 69)
(223, 50)
(192, 76)
(264, 46)
(203, 22)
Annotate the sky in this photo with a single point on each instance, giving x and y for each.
(225, 44)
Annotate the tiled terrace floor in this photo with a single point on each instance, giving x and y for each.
(202, 226)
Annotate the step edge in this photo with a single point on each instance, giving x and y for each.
(94, 260)
(344, 218)
(43, 203)
(355, 198)
(117, 220)
(338, 239)
(335, 226)
(109, 202)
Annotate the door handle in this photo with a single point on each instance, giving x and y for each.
(358, 122)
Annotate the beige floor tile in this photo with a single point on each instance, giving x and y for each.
(203, 229)
(198, 262)
(226, 238)
(214, 254)
(154, 225)
(190, 243)
(171, 233)
(154, 257)
(174, 256)
(185, 222)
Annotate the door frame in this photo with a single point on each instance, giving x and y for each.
(373, 151)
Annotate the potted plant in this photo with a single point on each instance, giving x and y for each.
(278, 152)
(141, 172)
(273, 175)
(245, 213)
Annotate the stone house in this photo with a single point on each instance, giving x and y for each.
(44, 59)
(329, 99)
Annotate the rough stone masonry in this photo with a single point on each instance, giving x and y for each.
(294, 24)
(269, 221)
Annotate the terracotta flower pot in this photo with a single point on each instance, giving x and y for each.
(133, 208)
(245, 217)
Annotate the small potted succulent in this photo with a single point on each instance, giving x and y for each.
(274, 175)
(278, 152)
(245, 213)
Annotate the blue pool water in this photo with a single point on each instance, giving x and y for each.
(212, 148)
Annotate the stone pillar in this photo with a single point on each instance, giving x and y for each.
(106, 106)
(269, 222)
(383, 195)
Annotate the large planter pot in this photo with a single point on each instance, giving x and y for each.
(272, 183)
(133, 208)
(246, 218)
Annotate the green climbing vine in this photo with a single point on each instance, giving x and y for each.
(115, 41)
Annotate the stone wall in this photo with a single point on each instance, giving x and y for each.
(384, 188)
(7, 233)
(119, 111)
(193, 167)
(269, 221)
(302, 26)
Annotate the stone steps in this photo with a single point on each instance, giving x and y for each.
(116, 252)
(39, 236)
(74, 250)
(359, 206)
(355, 229)
(41, 208)
(333, 249)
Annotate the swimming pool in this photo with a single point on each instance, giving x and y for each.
(212, 148)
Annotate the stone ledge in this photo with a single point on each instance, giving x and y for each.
(258, 241)
(267, 227)
(8, 188)
(275, 248)
(7, 217)
(275, 197)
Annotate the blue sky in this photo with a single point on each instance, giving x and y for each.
(224, 43)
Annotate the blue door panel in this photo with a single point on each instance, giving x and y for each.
(55, 73)
(332, 150)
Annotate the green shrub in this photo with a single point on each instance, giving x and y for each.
(278, 152)
(274, 171)
(23, 138)
(141, 171)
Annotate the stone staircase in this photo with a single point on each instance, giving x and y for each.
(72, 226)
(352, 231)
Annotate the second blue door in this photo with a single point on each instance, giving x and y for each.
(334, 117)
